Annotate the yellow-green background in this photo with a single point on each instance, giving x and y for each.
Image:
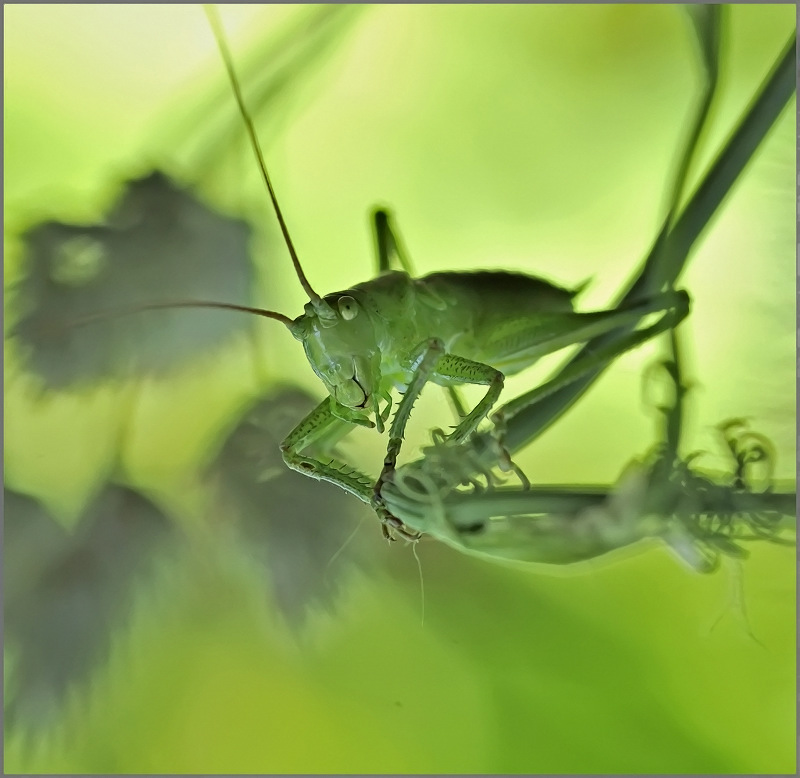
(536, 138)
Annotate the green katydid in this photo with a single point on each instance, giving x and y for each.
(396, 332)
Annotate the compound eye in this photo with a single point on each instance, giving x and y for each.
(348, 307)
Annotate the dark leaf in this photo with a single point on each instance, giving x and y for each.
(298, 528)
(159, 244)
(66, 593)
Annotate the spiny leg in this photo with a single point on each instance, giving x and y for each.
(323, 425)
(319, 426)
(427, 357)
(467, 370)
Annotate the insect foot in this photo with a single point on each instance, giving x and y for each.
(505, 463)
(391, 526)
(394, 528)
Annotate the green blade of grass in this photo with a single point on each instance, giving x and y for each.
(671, 249)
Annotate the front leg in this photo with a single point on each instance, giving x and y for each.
(425, 358)
(320, 426)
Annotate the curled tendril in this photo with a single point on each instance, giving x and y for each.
(747, 448)
(716, 517)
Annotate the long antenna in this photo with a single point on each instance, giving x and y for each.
(181, 304)
(219, 35)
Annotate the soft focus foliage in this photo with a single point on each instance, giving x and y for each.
(66, 593)
(157, 245)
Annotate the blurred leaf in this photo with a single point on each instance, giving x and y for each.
(299, 529)
(754, 126)
(66, 593)
(567, 693)
(159, 244)
(33, 541)
(707, 24)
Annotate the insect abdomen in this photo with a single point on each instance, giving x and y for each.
(500, 291)
(492, 316)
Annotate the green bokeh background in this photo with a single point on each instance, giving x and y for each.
(535, 138)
